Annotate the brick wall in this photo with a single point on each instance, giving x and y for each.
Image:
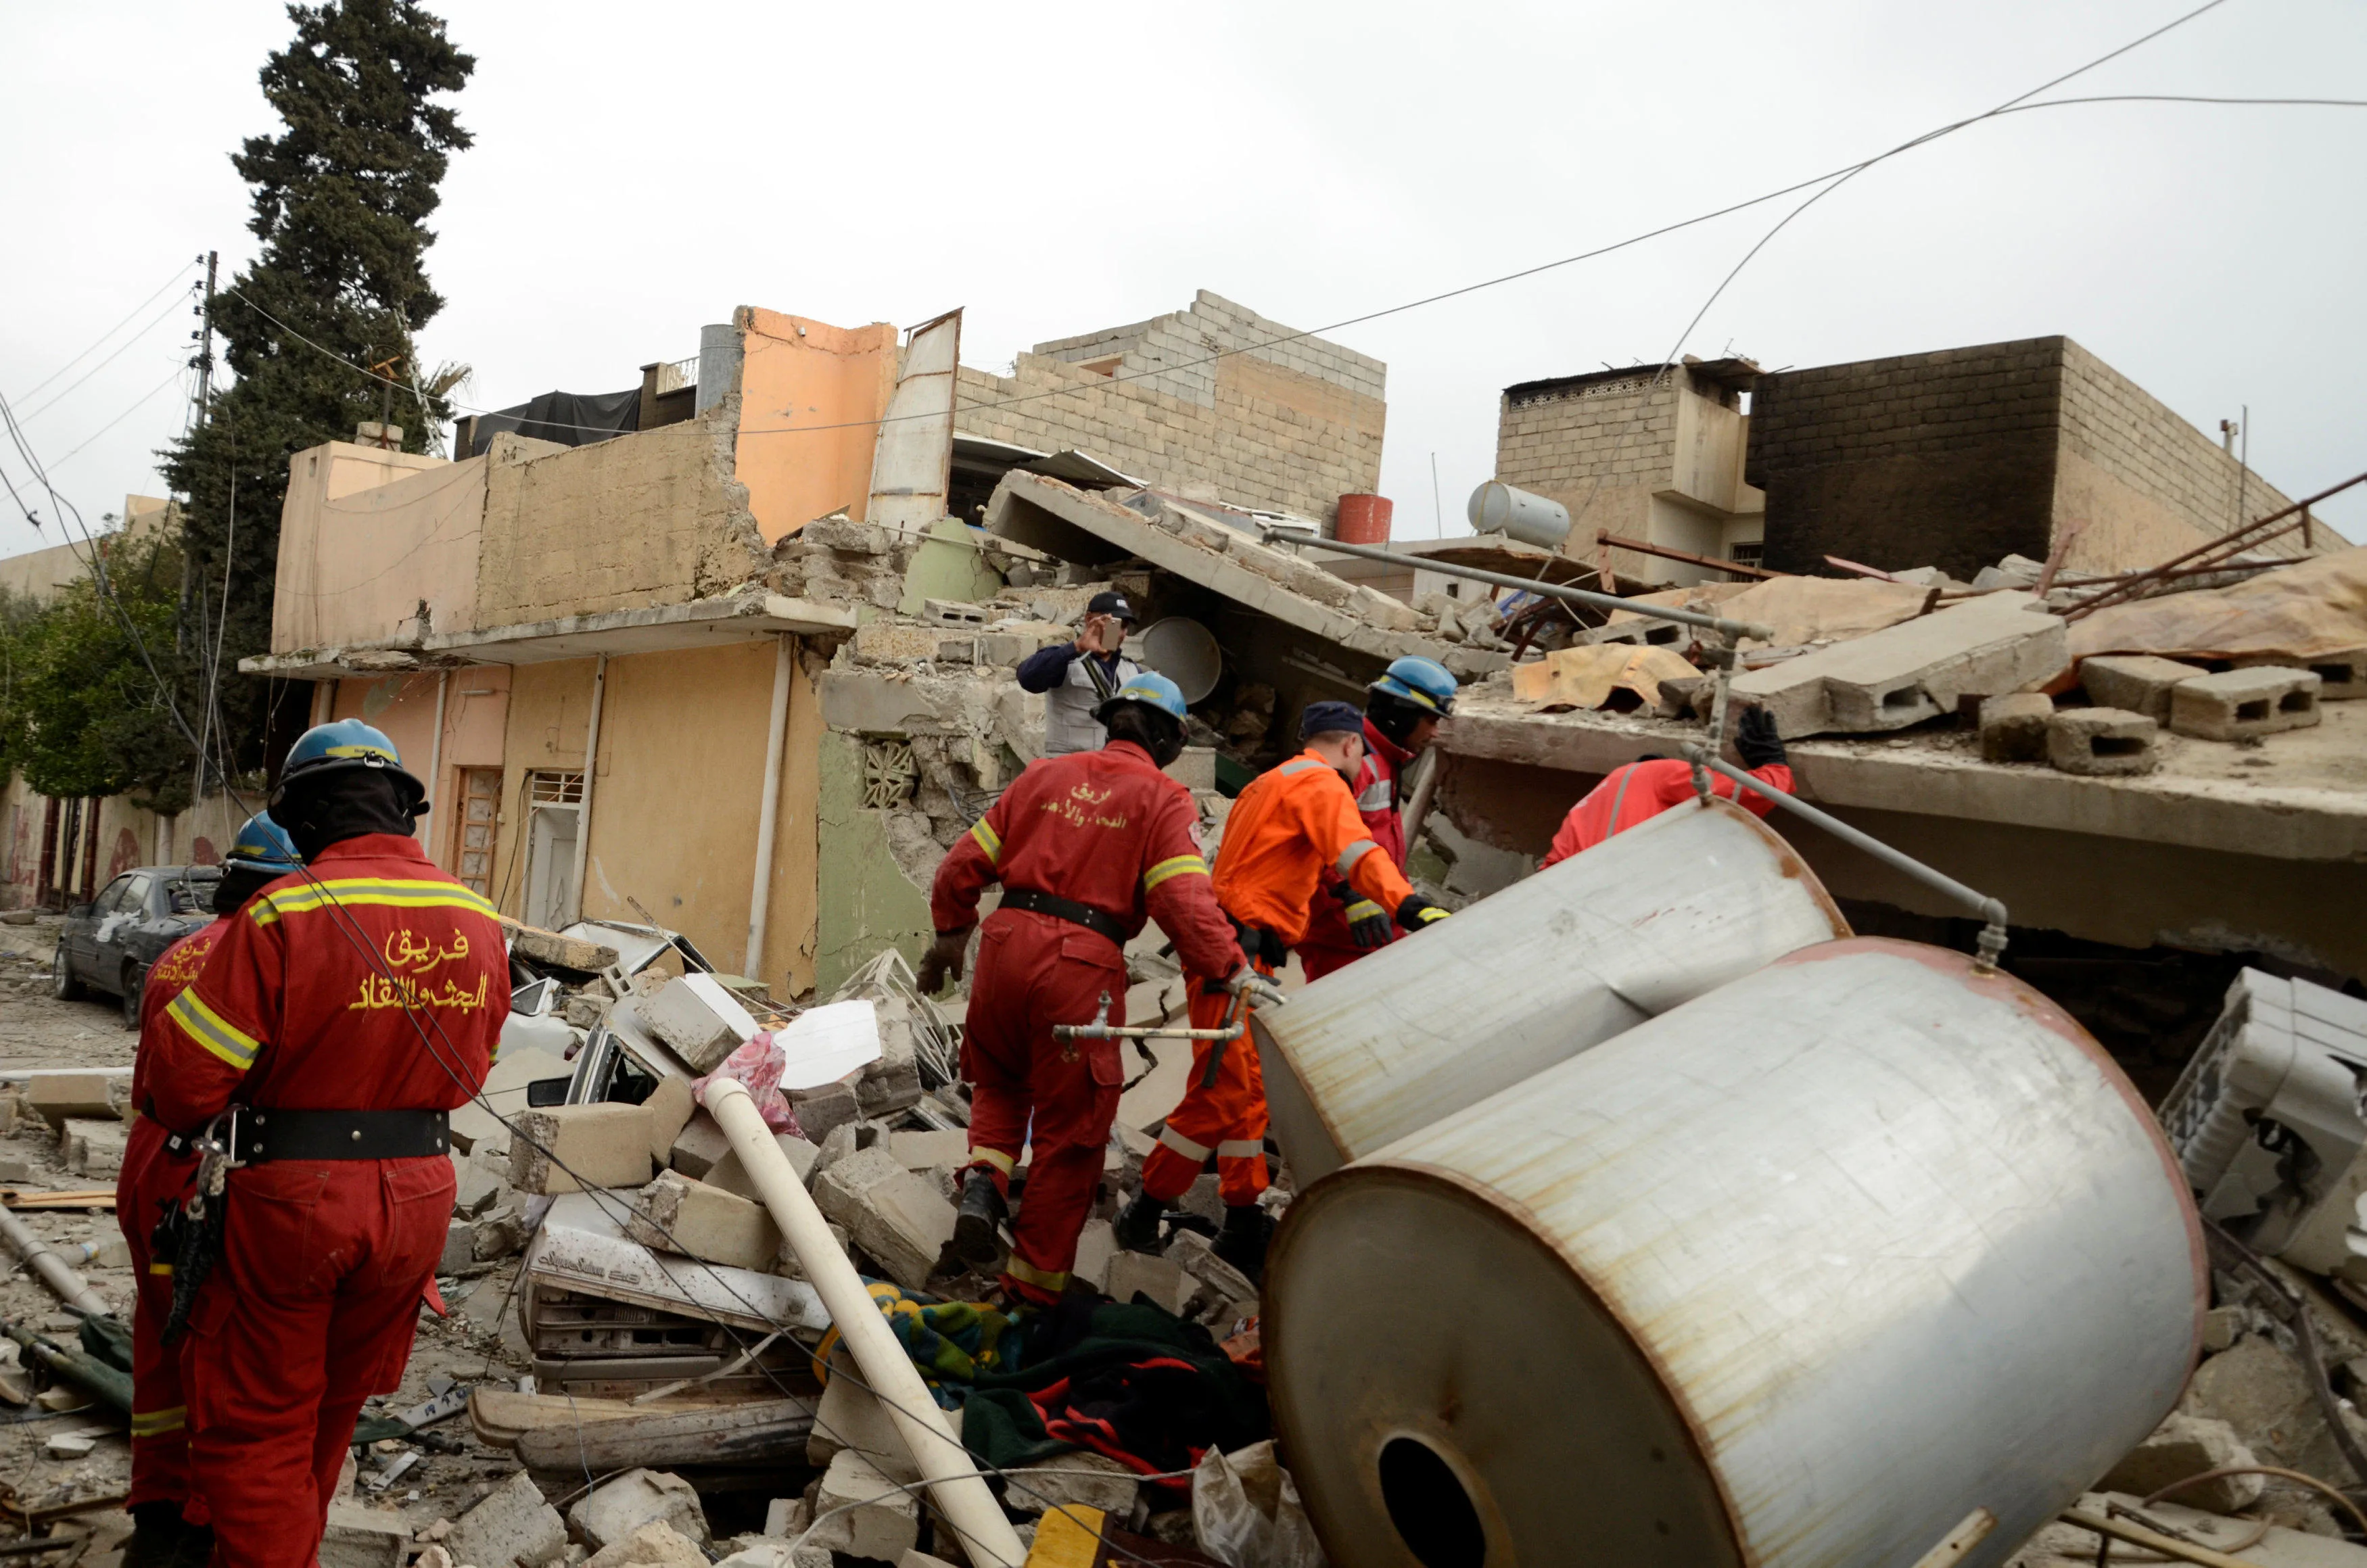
(1292, 427)
(1558, 437)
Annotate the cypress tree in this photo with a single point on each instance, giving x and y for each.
(341, 196)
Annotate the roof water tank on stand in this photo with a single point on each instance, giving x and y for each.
(1499, 508)
(1648, 918)
(1807, 1273)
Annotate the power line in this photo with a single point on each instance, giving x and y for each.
(54, 399)
(107, 334)
(141, 401)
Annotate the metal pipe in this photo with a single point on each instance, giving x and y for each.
(768, 811)
(1718, 624)
(1732, 569)
(1425, 790)
(53, 1269)
(1992, 941)
(953, 1477)
(2236, 540)
(2153, 1541)
(591, 762)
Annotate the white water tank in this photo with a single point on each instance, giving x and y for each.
(1499, 508)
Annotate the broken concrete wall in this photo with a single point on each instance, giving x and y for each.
(652, 518)
(810, 397)
(372, 544)
(1287, 425)
(867, 899)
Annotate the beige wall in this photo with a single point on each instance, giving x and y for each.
(128, 835)
(810, 397)
(650, 518)
(675, 795)
(476, 710)
(38, 574)
(367, 537)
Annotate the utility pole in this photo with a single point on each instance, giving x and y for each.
(206, 341)
(205, 366)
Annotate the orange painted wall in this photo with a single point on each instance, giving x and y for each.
(476, 714)
(811, 395)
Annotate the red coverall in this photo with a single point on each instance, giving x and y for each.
(1629, 794)
(1327, 945)
(1290, 829)
(1106, 829)
(316, 998)
(152, 1180)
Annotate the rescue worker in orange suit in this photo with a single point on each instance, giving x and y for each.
(1290, 829)
(1086, 845)
(1401, 714)
(333, 1027)
(1649, 785)
(168, 1524)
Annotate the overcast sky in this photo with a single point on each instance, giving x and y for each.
(641, 170)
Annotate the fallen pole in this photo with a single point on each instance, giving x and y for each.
(955, 1483)
(53, 1269)
(2153, 1540)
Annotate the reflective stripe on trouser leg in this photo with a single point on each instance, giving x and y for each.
(1226, 1118)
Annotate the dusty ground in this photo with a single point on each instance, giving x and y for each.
(37, 1030)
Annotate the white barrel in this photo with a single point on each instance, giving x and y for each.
(1804, 1274)
(1676, 906)
(1499, 508)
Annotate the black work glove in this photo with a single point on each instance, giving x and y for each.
(943, 960)
(1756, 740)
(1368, 923)
(1418, 911)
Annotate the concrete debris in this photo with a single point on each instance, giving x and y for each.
(2238, 705)
(894, 1216)
(674, 1213)
(2013, 726)
(930, 1150)
(615, 1509)
(481, 1121)
(357, 1536)
(697, 1020)
(460, 1247)
(2264, 1399)
(1914, 671)
(669, 1108)
(851, 1417)
(550, 950)
(2342, 672)
(776, 1554)
(656, 1545)
(58, 1097)
(1080, 1480)
(499, 1233)
(483, 1178)
(2185, 1446)
(862, 1513)
(2102, 742)
(821, 1108)
(561, 1148)
(727, 1175)
(698, 1146)
(93, 1147)
(2137, 682)
(1159, 1280)
(512, 1527)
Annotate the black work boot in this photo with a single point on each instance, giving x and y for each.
(1242, 1242)
(156, 1530)
(1137, 1224)
(982, 1213)
(197, 1547)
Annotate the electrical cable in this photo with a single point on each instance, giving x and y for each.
(145, 398)
(54, 399)
(109, 333)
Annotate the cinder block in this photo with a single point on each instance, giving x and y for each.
(93, 1147)
(357, 1536)
(886, 642)
(2237, 704)
(676, 1215)
(1914, 671)
(605, 1145)
(617, 1509)
(1161, 1280)
(876, 1519)
(824, 1106)
(926, 1151)
(655, 1545)
(2137, 682)
(698, 1146)
(669, 1108)
(459, 1246)
(891, 1214)
(727, 1175)
(851, 1416)
(511, 1525)
(2013, 726)
(58, 1096)
(2102, 742)
(2342, 676)
(698, 1018)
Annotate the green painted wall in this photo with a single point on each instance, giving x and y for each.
(867, 902)
(949, 565)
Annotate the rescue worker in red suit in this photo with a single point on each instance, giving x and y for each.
(340, 1018)
(1401, 714)
(1290, 829)
(169, 1523)
(1086, 845)
(1650, 786)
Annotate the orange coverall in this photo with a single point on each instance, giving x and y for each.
(1291, 829)
(1640, 790)
(1106, 829)
(316, 998)
(153, 1179)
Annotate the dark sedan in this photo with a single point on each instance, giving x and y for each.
(108, 944)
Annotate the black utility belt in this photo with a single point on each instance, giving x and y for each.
(257, 1135)
(1099, 921)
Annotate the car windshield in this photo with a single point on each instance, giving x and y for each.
(189, 897)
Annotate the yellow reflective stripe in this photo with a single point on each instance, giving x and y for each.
(396, 894)
(152, 1423)
(1042, 1280)
(1352, 854)
(1181, 865)
(988, 839)
(1362, 909)
(165, 1270)
(995, 1158)
(1184, 1145)
(213, 1032)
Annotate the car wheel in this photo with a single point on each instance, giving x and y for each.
(135, 982)
(63, 983)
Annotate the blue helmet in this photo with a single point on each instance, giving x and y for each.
(1153, 690)
(339, 746)
(1423, 683)
(263, 845)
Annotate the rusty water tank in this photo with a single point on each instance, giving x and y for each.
(1364, 519)
(1676, 906)
(1809, 1271)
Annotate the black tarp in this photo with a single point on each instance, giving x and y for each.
(572, 418)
